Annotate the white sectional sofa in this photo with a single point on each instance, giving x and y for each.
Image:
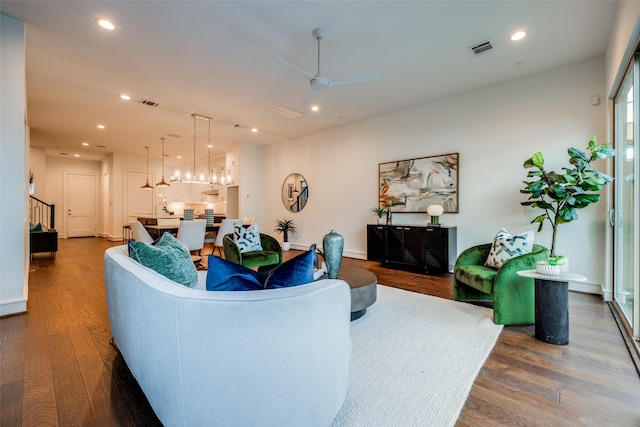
(275, 357)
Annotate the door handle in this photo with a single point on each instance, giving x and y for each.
(615, 217)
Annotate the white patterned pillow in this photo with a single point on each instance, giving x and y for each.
(505, 246)
(247, 239)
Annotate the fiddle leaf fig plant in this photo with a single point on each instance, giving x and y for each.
(559, 195)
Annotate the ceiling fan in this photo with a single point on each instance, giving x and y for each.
(320, 82)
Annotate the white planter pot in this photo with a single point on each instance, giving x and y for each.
(547, 269)
(381, 221)
(286, 246)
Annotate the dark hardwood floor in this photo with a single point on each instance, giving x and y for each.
(57, 367)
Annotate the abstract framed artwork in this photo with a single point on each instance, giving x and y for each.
(412, 185)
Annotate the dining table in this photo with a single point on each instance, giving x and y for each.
(157, 230)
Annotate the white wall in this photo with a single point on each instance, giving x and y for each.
(622, 42)
(38, 165)
(252, 197)
(495, 129)
(14, 180)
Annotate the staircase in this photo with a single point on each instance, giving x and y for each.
(42, 212)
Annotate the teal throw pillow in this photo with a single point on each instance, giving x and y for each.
(166, 256)
(296, 271)
(247, 239)
(506, 246)
(223, 275)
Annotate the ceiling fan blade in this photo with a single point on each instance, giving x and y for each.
(353, 79)
(309, 96)
(293, 67)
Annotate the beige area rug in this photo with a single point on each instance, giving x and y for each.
(414, 360)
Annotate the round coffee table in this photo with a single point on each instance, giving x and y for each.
(363, 284)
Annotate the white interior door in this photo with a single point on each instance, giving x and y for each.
(81, 204)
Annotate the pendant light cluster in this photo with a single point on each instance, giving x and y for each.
(212, 178)
(162, 182)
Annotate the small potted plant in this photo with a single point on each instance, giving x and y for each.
(379, 212)
(285, 227)
(550, 266)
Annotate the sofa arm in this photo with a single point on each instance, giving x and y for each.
(231, 250)
(269, 243)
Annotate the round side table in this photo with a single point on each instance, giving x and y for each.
(552, 305)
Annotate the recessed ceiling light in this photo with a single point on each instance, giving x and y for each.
(179, 157)
(105, 24)
(125, 97)
(518, 35)
(86, 144)
(100, 126)
(76, 155)
(315, 108)
(254, 130)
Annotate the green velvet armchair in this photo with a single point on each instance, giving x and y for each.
(513, 296)
(266, 260)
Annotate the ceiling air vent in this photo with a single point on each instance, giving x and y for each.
(481, 48)
(148, 103)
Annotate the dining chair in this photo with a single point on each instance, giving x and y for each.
(191, 234)
(140, 234)
(226, 227)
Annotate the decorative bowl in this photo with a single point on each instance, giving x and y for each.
(548, 269)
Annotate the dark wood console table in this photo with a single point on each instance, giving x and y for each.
(432, 248)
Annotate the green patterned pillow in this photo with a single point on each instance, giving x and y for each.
(505, 246)
(166, 256)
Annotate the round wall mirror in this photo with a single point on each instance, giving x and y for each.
(295, 192)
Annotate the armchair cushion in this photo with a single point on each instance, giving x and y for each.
(477, 276)
(506, 246)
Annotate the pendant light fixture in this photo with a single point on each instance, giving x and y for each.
(147, 186)
(191, 177)
(163, 183)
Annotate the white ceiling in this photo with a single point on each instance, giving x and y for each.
(216, 58)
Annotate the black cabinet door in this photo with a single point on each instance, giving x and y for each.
(395, 244)
(377, 243)
(440, 253)
(405, 245)
(414, 246)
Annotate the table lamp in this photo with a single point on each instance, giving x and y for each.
(435, 211)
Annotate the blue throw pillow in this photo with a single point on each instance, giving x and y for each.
(168, 257)
(296, 271)
(223, 275)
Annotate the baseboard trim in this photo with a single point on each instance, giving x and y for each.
(587, 288)
(13, 307)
